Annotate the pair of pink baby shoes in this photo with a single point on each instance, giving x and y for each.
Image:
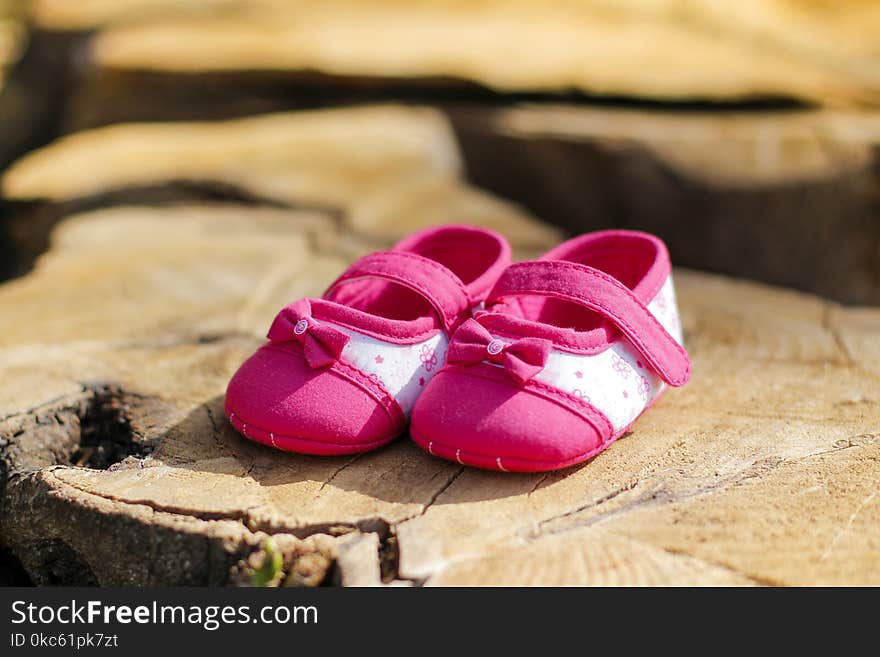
(516, 367)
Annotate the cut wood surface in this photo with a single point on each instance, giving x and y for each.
(821, 52)
(726, 190)
(389, 168)
(116, 348)
(720, 148)
(12, 39)
(723, 185)
(10, 45)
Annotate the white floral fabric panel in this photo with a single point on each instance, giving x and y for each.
(403, 369)
(618, 382)
(663, 306)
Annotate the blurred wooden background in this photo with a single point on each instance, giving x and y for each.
(745, 135)
(172, 172)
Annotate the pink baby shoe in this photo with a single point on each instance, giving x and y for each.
(572, 349)
(340, 374)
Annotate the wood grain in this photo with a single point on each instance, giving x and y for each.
(121, 340)
(665, 49)
(787, 197)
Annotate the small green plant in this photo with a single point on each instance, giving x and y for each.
(270, 572)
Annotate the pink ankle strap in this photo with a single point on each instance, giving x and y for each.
(605, 295)
(438, 285)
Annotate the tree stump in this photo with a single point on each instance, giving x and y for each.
(11, 37)
(115, 349)
(810, 51)
(787, 197)
(725, 155)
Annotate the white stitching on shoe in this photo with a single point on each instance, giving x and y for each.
(458, 456)
(500, 467)
(431, 451)
(272, 438)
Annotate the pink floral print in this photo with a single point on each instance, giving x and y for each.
(620, 366)
(428, 357)
(577, 392)
(643, 387)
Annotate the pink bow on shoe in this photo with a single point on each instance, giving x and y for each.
(522, 359)
(322, 344)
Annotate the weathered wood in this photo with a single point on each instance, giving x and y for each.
(387, 168)
(33, 84)
(120, 341)
(724, 189)
(204, 270)
(797, 444)
(11, 41)
(384, 167)
(784, 197)
(668, 50)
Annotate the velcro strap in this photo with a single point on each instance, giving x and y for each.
(596, 290)
(437, 284)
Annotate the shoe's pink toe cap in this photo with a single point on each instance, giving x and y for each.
(275, 398)
(492, 423)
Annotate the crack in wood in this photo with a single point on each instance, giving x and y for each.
(759, 580)
(58, 403)
(537, 485)
(443, 489)
(243, 516)
(339, 469)
(661, 497)
(586, 507)
(382, 527)
(214, 429)
(847, 526)
(828, 325)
